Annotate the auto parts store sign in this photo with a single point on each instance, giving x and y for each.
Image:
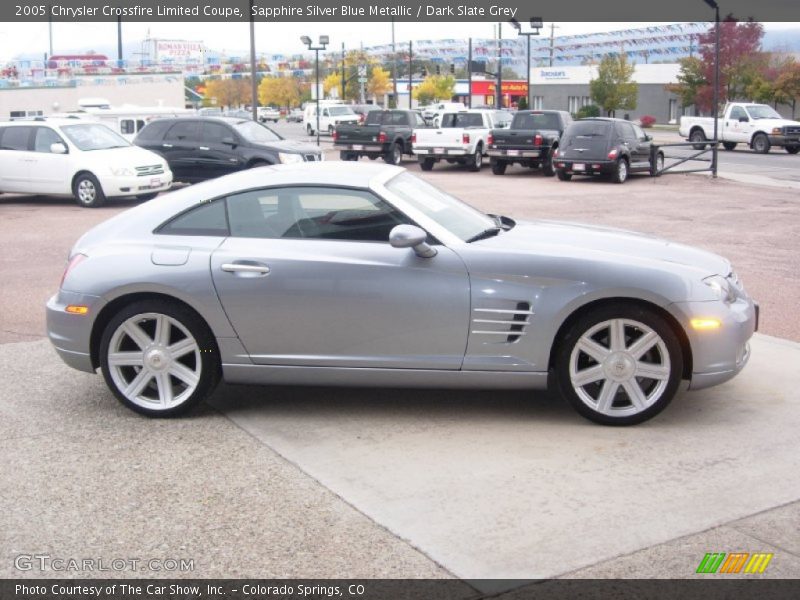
(511, 88)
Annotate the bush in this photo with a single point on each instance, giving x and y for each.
(647, 121)
(590, 110)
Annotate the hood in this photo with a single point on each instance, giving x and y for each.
(606, 243)
(770, 123)
(291, 146)
(129, 156)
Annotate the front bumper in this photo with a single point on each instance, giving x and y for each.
(70, 334)
(718, 354)
(131, 185)
(784, 140)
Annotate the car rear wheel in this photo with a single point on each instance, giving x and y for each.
(426, 164)
(620, 174)
(761, 143)
(792, 149)
(309, 129)
(87, 191)
(499, 167)
(729, 146)
(698, 136)
(347, 156)
(564, 176)
(619, 365)
(547, 166)
(395, 155)
(475, 162)
(159, 358)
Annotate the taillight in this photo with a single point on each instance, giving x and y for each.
(335, 135)
(413, 138)
(465, 138)
(537, 140)
(382, 137)
(490, 139)
(613, 154)
(362, 118)
(71, 264)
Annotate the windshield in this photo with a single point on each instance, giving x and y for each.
(338, 111)
(94, 137)
(256, 132)
(462, 120)
(536, 121)
(458, 218)
(762, 111)
(588, 129)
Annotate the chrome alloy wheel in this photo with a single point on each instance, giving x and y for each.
(154, 361)
(619, 367)
(86, 191)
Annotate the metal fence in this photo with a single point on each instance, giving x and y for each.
(703, 152)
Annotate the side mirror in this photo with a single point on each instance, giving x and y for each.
(648, 138)
(743, 119)
(411, 236)
(58, 148)
(229, 141)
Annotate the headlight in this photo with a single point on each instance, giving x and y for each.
(722, 287)
(122, 172)
(288, 159)
(777, 130)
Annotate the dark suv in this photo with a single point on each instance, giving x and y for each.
(207, 147)
(601, 146)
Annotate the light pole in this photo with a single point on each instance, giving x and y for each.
(715, 150)
(536, 25)
(324, 40)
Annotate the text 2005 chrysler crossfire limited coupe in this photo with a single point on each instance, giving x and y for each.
(365, 275)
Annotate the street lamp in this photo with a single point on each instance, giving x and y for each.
(715, 150)
(324, 40)
(536, 25)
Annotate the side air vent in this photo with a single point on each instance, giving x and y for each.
(510, 323)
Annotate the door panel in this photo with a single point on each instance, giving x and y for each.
(179, 147)
(214, 158)
(48, 171)
(15, 159)
(317, 302)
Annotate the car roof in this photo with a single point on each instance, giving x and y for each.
(57, 122)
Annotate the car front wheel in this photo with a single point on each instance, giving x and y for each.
(792, 149)
(87, 191)
(619, 365)
(159, 358)
(761, 143)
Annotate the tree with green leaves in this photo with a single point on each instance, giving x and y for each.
(435, 88)
(613, 88)
(690, 79)
(787, 85)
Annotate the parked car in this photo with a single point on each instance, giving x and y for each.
(268, 113)
(386, 133)
(602, 146)
(204, 148)
(330, 115)
(529, 141)
(295, 116)
(433, 112)
(462, 138)
(239, 114)
(362, 110)
(757, 125)
(363, 274)
(87, 160)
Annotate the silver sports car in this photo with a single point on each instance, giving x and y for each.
(365, 275)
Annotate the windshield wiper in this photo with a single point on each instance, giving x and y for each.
(486, 233)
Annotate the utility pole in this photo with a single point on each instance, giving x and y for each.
(499, 102)
(344, 80)
(469, 75)
(410, 73)
(553, 28)
(119, 40)
(253, 86)
(394, 67)
(50, 28)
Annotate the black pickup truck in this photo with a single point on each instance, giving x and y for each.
(530, 140)
(385, 133)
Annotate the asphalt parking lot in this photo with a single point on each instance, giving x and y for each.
(322, 482)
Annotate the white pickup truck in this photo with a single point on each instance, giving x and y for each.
(460, 139)
(757, 125)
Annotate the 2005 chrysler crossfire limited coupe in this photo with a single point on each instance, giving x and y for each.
(365, 275)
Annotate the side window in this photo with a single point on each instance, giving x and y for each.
(640, 135)
(206, 219)
(212, 133)
(420, 120)
(737, 112)
(182, 130)
(127, 127)
(45, 137)
(16, 138)
(140, 124)
(312, 213)
(325, 112)
(154, 130)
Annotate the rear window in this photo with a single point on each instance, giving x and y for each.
(207, 219)
(462, 120)
(536, 121)
(375, 117)
(588, 129)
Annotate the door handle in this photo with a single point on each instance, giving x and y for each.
(203, 148)
(245, 268)
(166, 145)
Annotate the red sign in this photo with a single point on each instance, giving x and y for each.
(489, 88)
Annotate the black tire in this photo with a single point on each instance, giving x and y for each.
(698, 136)
(664, 391)
(761, 143)
(729, 146)
(258, 163)
(394, 156)
(475, 162)
(499, 167)
(789, 149)
(146, 197)
(563, 175)
(426, 164)
(548, 170)
(87, 191)
(309, 129)
(620, 174)
(348, 156)
(209, 360)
